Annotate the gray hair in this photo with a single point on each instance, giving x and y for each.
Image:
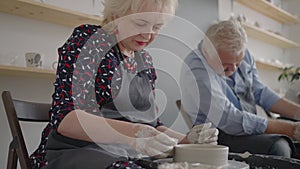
(113, 8)
(228, 35)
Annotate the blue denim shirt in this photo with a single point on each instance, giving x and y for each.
(207, 96)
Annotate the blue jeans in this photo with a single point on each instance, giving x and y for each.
(281, 147)
(266, 144)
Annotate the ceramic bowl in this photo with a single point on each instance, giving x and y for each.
(216, 155)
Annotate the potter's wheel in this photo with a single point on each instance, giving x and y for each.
(232, 164)
(265, 161)
(235, 165)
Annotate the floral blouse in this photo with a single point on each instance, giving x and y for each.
(88, 63)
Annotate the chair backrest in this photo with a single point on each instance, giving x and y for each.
(17, 110)
(184, 114)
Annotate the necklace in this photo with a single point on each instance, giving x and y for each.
(128, 53)
(125, 51)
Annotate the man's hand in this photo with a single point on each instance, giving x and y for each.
(203, 134)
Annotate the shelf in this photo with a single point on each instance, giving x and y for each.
(270, 10)
(267, 66)
(269, 37)
(50, 74)
(27, 72)
(47, 13)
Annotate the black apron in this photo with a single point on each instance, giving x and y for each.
(256, 144)
(134, 102)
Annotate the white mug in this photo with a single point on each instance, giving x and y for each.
(33, 59)
(54, 65)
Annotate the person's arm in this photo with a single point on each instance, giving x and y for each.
(276, 126)
(84, 126)
(271, 101)
(286, 108)
(144, 139)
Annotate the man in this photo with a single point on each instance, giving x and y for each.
(220, 84)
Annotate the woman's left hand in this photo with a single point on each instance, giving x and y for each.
(203, 133)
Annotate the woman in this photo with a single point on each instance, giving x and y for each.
(103, 112)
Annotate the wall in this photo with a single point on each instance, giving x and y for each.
(20, 35)
(294, 31)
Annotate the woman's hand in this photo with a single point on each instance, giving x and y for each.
(202, 133)
(152, 142)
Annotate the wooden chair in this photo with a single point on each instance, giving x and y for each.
(17, 110)
(184, 114)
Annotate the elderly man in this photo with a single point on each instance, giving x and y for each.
(220, 84)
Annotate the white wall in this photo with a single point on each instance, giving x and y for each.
(20, 35)
(294, 31)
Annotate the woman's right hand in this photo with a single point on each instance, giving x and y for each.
(152, 142)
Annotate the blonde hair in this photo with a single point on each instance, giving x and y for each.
(228, 35)
(113, 8)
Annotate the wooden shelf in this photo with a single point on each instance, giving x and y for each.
(267, 66)
(269, 37)
(270, 10)
(47, 13)
(27, 72)
(271, 66)
(15, 71)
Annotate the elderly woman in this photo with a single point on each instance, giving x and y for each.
(103, 112)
